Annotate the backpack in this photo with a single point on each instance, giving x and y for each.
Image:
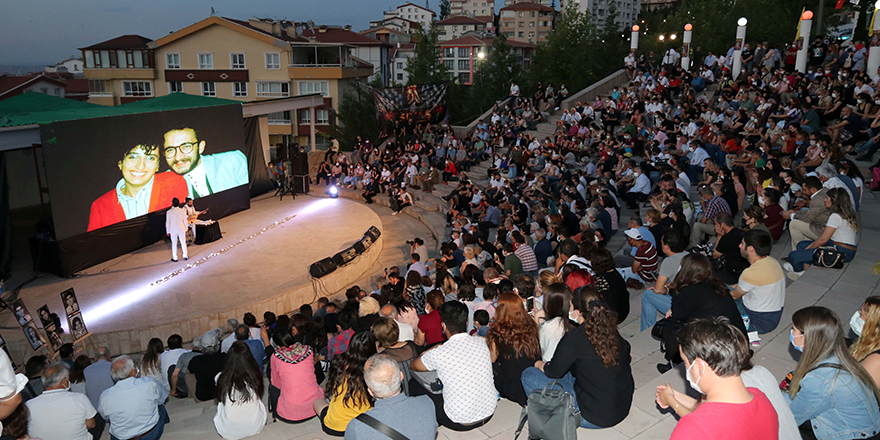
(551, 414)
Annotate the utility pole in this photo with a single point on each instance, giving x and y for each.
(819, 30)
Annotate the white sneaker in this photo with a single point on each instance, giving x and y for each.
(787, 266)
(795, 275)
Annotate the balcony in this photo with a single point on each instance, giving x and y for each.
(119, 73)
(325, 61)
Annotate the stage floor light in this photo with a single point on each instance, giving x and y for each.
(333, 191)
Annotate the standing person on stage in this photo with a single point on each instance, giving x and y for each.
(175, 227)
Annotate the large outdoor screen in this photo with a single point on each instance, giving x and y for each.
(105, 171)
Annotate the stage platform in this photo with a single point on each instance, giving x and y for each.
(260, 264)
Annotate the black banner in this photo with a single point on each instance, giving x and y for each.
(426, 103)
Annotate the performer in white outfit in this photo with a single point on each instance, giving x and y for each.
(192, 216)
(175, 227)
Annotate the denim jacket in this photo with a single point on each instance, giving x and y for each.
(835, 404)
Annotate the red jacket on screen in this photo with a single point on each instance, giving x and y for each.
(106, 210)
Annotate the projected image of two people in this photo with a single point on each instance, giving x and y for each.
(192, 172)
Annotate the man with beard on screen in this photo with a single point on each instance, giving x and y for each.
(141, 190)
(205, 174)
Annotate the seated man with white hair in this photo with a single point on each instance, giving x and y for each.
(412, 417)
(134, 405)
(58, 413)
(231, 325)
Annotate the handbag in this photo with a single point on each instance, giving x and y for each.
(381, 427)
(551, 414)
(828, 256)
(664, 326)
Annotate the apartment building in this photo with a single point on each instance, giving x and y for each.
(387, 35)
(397, 23)
(231, 59)
(363, 47)
(461, 56)
(526, 22)
(627, 10)
(550, 3)
(472, 8)
(400, 56)
(413, 12)
(456, 26)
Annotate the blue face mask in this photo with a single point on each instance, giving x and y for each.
(791, 338)
(799, 142)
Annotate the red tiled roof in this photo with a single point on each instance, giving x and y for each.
(460, 19)
(488, 19)
(76, 85)
(283, 37)
(339, 35)
(123, 42)
(9, 83)
(528, 7)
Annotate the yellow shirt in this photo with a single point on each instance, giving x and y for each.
(338, 414)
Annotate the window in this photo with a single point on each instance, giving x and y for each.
(464, 52)
(464, 64)
(206, 61)
(56, 91)
(400, 65)
(522, 24)
(520, 35)
(323, 116)
(137, 88)
(237, 60)
(239, 89)
(172, 61)
(448, 52)
(279, 118)
(522, 14)
(209, 88)
(308, 87)
(532, 14)
(400, 77)
(464, 77)
(273, 89)
(450, 64)
(273, 60)
(305, 116)
(531, 24)
(175, 87)
(98, 87)
(44, 90)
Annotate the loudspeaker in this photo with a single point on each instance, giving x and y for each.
(373, 233)
(303, 168)
(321, 268)
(362, 245)
(345, 256)
(301, 184)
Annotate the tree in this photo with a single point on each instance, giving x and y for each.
(444, 9)
(613, 45)
(425, 66)
(499, 69)
(568, 55)
(356, 115)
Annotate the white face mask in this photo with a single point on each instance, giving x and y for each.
(856, 323)
(574, 315)
(694, 385)
(761, 201)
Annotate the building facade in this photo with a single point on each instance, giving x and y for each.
(472, 8)
(462, 56)
(37, 83)
(119, 70)
(413, 12)
(627, 10)
(363, 47)
(526, 22)
(455, 27)
(550, 3)
(400, 56)
(73, 66)
(396, 23)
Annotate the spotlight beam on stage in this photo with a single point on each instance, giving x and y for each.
(123, 300)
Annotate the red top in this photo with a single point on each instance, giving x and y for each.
(774, 220)
(430, 325)
(732, 147)
(106, 210)
(756, 420)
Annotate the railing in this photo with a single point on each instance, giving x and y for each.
(462, 131)
(100, 94)
(602, 87)
(323, 65)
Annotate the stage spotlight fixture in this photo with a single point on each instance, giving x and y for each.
(333, 191)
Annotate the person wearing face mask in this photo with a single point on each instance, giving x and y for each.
(591, 362)
(57, 413)
(640, 189)
(865, 323)
(737, 400)
(831, 395)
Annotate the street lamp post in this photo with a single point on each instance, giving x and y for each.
(686, 47)
(738, 48)
(634, 39)
(874, 51)
(803, 43)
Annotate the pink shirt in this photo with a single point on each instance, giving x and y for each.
(298, 385)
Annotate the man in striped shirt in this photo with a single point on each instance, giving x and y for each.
(644, 261)
(526, 255)
(710, 198)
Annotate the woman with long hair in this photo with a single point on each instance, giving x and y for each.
(150, 365)
(830, 393)
(696, 293)
(414, 292)
(346, 389)
(240, 409)
(77, 378)
(292, 373)
(841, 231)
(592, 362)
(865, 323)
(513, 344)
(553, 319)
(610, 284)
